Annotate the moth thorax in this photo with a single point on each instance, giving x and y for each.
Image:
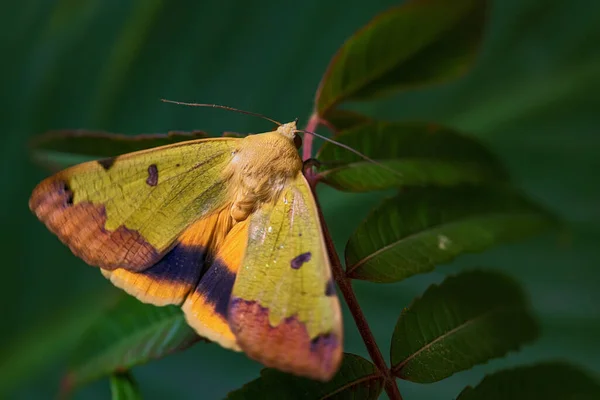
(261, 167)
(252, 192)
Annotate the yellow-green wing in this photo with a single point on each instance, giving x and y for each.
(284, 310)
(127, 211)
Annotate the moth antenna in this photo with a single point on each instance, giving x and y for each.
(358, 153)
(223, 107)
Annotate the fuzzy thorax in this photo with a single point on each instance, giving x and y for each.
(261, 167)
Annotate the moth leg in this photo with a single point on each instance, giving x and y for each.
(310, 164)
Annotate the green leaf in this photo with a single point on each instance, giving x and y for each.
(341, 120)
(467, 320)
(30, 351)
(124, 387)
(418, 43)
(60, 149)
(549, 380)
(131, 333)
(421, 153)
(418, 229)
(356, 379)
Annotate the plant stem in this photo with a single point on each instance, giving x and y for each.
(345, 286)
(344, 282)
(307, 140)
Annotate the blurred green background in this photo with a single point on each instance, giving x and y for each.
(104, 64)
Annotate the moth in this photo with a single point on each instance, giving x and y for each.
(227, 228)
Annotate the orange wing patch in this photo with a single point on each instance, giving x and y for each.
(289, 347)
(81, 227)
(206, 308)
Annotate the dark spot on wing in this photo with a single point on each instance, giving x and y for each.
(301, 259)
(152, 175)
(330, 288)
(106, 163)
(67, 190)
(326, 340)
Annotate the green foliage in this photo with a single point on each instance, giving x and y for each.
(418, 229)
(25, 355)
(356, 379)
(468, 319)
(454, 197)
(124, 387)
(549, 380)
(57, 150)
(341, 120)
(421, 153)
(131, 333)
(420, 42)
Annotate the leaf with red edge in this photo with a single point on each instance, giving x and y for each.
(466, 320)
(341, 120)
(547, 380)
(357, 378)
(129, 334)
(60, 149)
(421, 153)
(421, 228)
(420, 42)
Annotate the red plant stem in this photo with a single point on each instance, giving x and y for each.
(344, 282)
(307, 140)
(345, 286)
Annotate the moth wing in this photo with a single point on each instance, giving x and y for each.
(171, 279)
(127, 211)
(284, 311)
(197, 273)
(206, 307)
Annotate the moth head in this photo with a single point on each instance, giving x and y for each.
(288, 130)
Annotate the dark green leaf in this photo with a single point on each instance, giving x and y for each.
(124, 387)
(132, 333)
(467, 320)
(549, 380)
(420, 42)
(27, 353)
(421, 153)
(356, 379)
(341, 120)
(60, 149)
(418, 229)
